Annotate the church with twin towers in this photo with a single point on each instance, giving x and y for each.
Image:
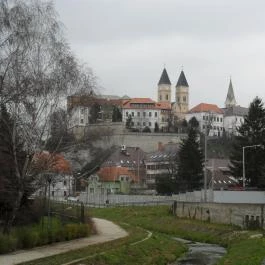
(224, 119)
(181, 105)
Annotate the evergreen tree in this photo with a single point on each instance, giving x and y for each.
(193, 123)
(94, 113)
(251, 132)
(190, 170)
(129, 122)
(116, 114)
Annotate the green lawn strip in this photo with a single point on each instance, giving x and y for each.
(158, 249)
(157, 219)
(245, 252)
(241, 249)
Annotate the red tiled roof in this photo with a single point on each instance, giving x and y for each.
(205, 107)
(163, 105)
(152, 104)
(113, 173)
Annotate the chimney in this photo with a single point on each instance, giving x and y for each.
(160, 146)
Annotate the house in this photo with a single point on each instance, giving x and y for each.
(219, 176)
(161, 163)
(123, 170)
(54, 175)
(210, 118)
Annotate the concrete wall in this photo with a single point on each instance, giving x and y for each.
(223, 196)
(243, 215)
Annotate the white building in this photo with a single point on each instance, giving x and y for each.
(210, 118)
(145, 112)
(234, 116)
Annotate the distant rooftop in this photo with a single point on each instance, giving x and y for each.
(205, 107)
(235, 111)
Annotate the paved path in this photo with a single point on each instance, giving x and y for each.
(107, 231)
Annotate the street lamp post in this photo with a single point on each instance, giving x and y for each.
(244, 167)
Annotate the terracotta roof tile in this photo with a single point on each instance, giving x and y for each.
(205, 107)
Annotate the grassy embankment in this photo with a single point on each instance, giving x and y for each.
(160, 248)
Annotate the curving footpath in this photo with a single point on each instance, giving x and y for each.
(107, 231)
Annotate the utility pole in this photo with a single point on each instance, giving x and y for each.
(205, 161)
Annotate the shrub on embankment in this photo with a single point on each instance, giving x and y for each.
(26, 237)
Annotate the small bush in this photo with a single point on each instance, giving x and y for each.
(27, 237)
(8, 243)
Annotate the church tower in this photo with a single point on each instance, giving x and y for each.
(182, 96)
(164, 88)
(230, 98)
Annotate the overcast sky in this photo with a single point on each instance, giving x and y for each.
(128, 42)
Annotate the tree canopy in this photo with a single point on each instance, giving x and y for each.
(252, 138)
(190, 169)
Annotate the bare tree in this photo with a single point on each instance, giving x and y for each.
(37, 70)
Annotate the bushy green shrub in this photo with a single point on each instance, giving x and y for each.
(27, 237)
(8, 243)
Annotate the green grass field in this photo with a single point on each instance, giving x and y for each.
(160, 248)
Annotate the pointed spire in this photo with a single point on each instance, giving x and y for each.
(230, 98)
(164, 79)
(182, 81)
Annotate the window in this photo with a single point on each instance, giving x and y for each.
(155, 114)
(91, 190)
(138, 114)
(132, 123)
(206, 118)
(184, 99)
(221, 119)
(132, 114)
(150, 124)
(82, 111)
(82, 121)
(144, 113)
(143, 123)
(214, 118)
(64, 182)
(150, 114)
(160, 97)
(217, 118)
(214, 127)
(166, 97)
(203, 126)
(178, 99)
(203, 117)
(138, 123)
(127, 114)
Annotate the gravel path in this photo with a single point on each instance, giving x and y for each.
(107, 231)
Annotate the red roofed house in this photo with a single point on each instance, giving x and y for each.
(145, 112)
(209, 116)
(54, 170)
(123, 169)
